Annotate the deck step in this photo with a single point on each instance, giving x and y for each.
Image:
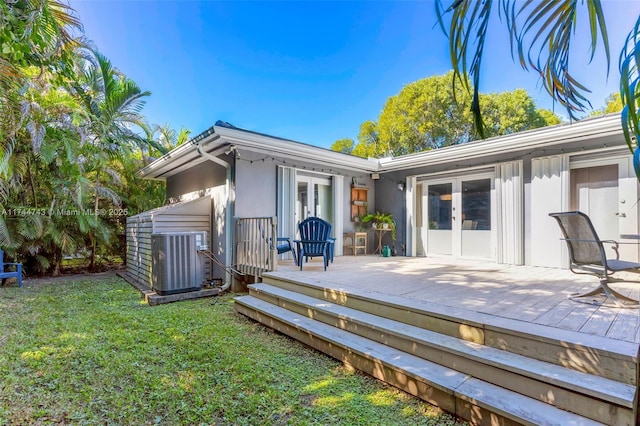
(458, 393)
(534, 378)
(616, 360)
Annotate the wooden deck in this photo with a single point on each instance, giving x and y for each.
(492, 344)
(530, 294)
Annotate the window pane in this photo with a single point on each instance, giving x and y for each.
(476, 204)
(440, 206)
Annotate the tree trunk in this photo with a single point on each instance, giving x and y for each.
(96, 206)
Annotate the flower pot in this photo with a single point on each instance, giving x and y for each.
(385, 226)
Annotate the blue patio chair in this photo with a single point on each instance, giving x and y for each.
(315, 240)
(284, 245)
(587, 256)
(4, 274)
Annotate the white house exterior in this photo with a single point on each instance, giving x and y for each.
(487, 199)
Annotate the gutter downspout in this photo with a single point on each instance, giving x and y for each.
(228, 222)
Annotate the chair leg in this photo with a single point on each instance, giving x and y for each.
(616, 298)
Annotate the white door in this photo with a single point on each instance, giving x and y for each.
(439, 217)
(458, 217)
(599, 190)
(475, 221)
(314, 198)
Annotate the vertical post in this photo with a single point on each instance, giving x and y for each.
(273, 247)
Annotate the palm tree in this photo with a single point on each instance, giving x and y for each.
(160, 140)
(113, 105)
(32, 33)
(541, 35)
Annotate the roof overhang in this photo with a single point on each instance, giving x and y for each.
(606, 128)
(219, 139)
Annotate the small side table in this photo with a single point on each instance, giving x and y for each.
(380, 233)
(355, 241)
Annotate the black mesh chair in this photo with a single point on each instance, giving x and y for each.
(587, 256)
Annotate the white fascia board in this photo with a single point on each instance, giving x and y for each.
(186, 155)
(283, 148)
(545, 137)
(178, 159)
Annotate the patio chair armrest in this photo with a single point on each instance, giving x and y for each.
(17, 265)
(614, 246)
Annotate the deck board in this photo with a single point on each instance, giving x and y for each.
(533, 294)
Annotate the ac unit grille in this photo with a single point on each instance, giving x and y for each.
(177, 266)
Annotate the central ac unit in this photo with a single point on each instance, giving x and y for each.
(177, 267)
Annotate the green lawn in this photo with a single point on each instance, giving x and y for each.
(90, 351)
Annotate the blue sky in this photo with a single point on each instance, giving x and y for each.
(307, 71)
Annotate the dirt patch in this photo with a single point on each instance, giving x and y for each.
(63, 278)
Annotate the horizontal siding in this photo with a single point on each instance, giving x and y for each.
(190, 216)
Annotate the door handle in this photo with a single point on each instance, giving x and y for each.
(621, 214)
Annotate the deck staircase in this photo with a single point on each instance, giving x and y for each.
(485, 369)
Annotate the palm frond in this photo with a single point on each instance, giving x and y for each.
(467, 34)
(543, 42)
(31, 227)
(629, 64)
(5, 235)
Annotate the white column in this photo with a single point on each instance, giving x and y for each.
(410, 220)
(549, 194)
(510, 211)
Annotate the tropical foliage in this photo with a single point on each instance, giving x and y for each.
(613, 103)
(73, 137)
(542, 34)
(430, 113)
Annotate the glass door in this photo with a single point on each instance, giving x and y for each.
(475, 223)
(458, 217)
(440, 218)
(314, 198)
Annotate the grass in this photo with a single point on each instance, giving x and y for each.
(90, 351)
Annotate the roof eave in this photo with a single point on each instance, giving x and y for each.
(186, 155)
(535, 139)
(297, 151)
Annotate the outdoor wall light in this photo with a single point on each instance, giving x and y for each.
(401, 186)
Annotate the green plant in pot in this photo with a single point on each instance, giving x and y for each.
(381, 220)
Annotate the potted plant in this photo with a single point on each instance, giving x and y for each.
(381, 220)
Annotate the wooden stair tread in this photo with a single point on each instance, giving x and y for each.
(571, 339)
(605, 389)
(509, 404)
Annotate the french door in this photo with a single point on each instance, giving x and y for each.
(458, 217)
(314, 198)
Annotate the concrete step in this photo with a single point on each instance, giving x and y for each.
(467, 397)
(598, 398)
(599, 356)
